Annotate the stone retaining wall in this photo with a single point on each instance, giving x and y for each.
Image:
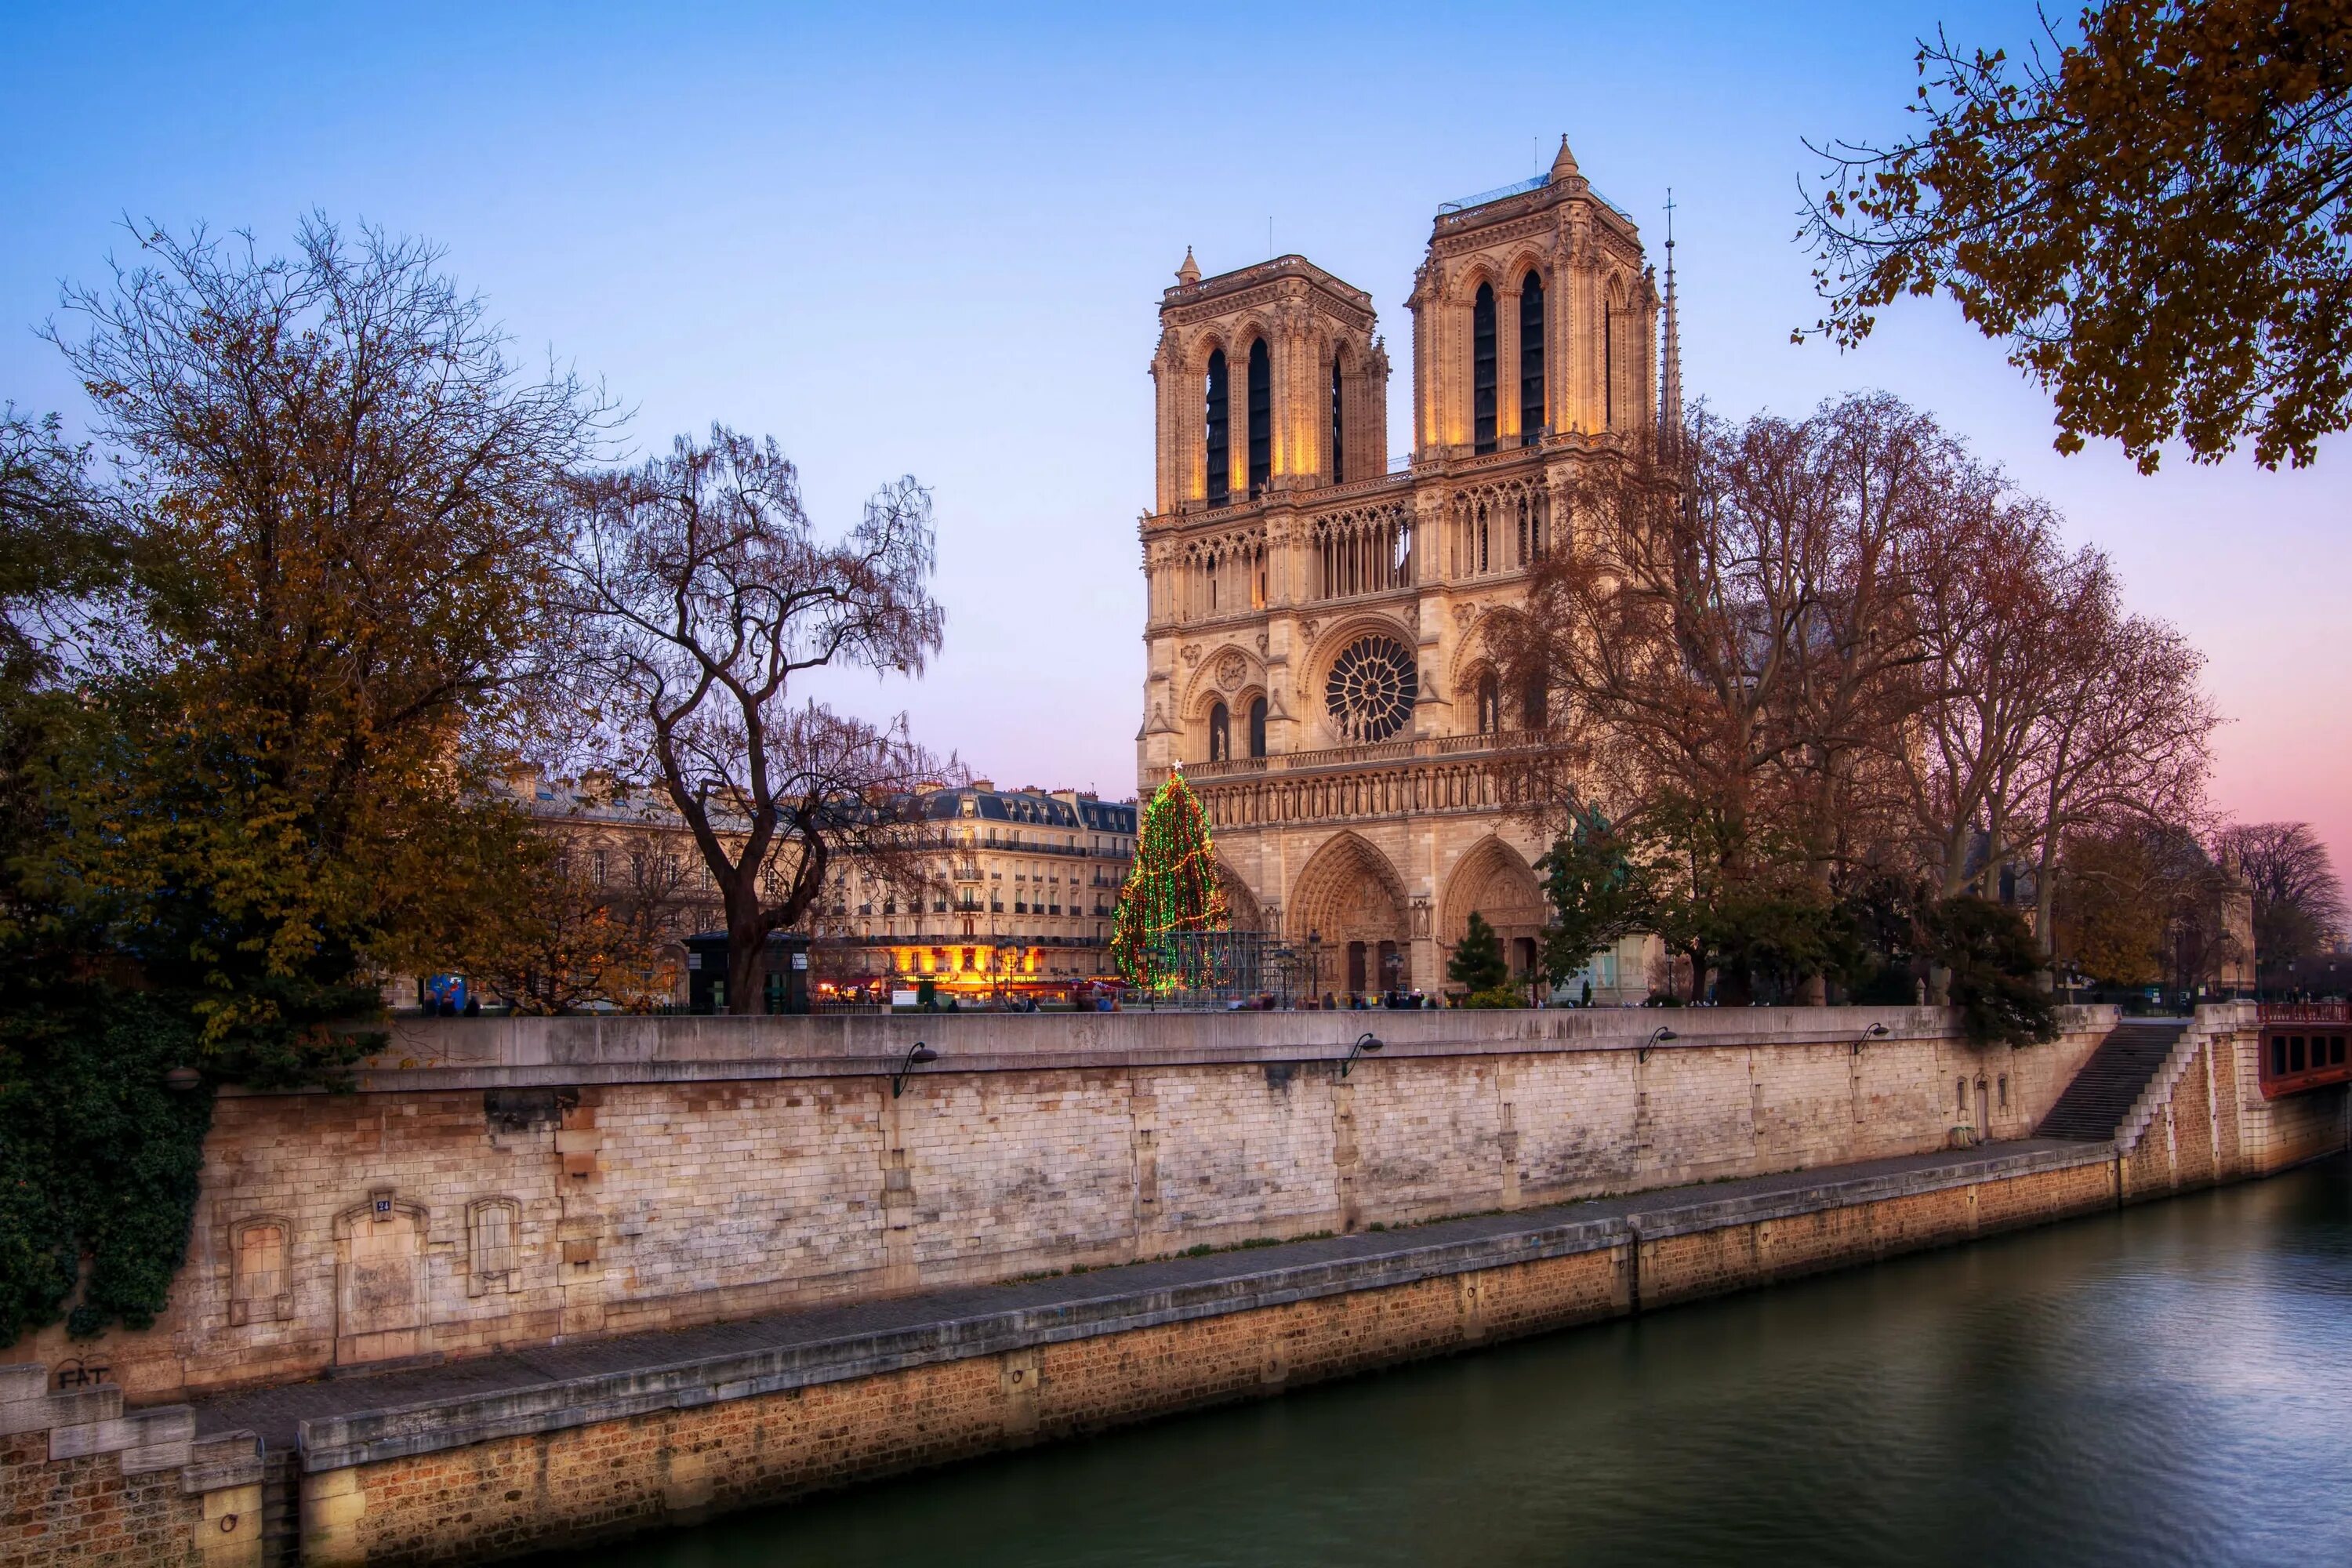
(568, 1463)
(83, 1481)
(499, 1184)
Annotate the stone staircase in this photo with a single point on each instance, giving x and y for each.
(2104, 1092)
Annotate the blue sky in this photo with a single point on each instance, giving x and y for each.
(923, 239)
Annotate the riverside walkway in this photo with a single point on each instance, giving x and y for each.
(361, 1418)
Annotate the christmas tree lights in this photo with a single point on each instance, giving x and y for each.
(1173, 888)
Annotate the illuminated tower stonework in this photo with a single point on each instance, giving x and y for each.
(1316, 659)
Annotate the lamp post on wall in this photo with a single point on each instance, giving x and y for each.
(1875, 1032)
(1366, 1043)
(916, 1057)
(1658, 1036)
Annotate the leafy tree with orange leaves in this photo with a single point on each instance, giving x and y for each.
(2155, 212)
(254, 681)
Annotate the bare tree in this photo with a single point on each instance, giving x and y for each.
(2298, 901)
(702, 592)
(2126, 736)
(1994, 617)
(1736, 631)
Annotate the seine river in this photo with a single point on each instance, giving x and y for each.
(2170, 1384)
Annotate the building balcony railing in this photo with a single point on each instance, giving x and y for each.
(1349, 756)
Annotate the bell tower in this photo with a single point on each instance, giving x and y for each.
(1534, 314)
(1269, 380)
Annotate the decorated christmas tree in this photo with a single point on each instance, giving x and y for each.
(1173, 889)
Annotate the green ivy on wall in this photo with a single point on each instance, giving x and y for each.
(99, 1157)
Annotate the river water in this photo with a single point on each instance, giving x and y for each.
(2169, 1385)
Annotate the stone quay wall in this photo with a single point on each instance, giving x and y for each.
(577, 1463)
(499, 1184)
(84, 1481)
(475, 1476)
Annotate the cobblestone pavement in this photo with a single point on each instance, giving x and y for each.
(273, 1412)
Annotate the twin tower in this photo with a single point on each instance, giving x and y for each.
(1316, 659)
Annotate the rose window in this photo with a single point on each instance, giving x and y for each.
(1369, 693)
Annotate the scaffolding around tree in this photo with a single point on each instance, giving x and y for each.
(1222, 970)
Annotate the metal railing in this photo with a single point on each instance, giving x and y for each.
(2305, 1012)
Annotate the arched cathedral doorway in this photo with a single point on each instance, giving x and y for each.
(1496, 881)
(1351, 906)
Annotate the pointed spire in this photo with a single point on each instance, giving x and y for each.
(1564, 165)
(1670, 353)
(1191, 271)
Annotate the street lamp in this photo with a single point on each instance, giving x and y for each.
(1657, 1036)
(916, 1057)
(1366, 1042)
(1875, 1032)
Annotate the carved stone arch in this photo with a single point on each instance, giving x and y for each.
(261, 1269)
(1206, 342)
(1241, 910)
(1326, 642)
(1206, 685)
(1470, 687)
(1521, 261)
(1475, 270)
(493, 1245)
(1350, 903)
(380, 1289)
(1324, 654)
(1496, 881)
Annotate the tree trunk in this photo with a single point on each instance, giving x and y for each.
(747, 938)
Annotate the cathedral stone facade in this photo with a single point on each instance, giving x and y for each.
(1318, 663)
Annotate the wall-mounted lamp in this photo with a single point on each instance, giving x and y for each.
(1875, 1032)
(181, 1080)
(915, 1059)
(1365, 1044)
(1657, 1036)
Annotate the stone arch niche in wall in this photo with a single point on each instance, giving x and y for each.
(380, 1282)
(1242, 909)
(1352, 904)
(493, 1245)
(261, 1252)
(1370, 691)
(1496, 881)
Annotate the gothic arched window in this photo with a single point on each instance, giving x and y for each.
(1221, 472)
(1482, 368)
(1257, 727)
(1531, 358)
(1260, 416)
(1338, 428)
(1535, 704)
(1490, 704)
(1608, 365)
(1221, 734)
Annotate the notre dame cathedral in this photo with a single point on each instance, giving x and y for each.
(1317, 662)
